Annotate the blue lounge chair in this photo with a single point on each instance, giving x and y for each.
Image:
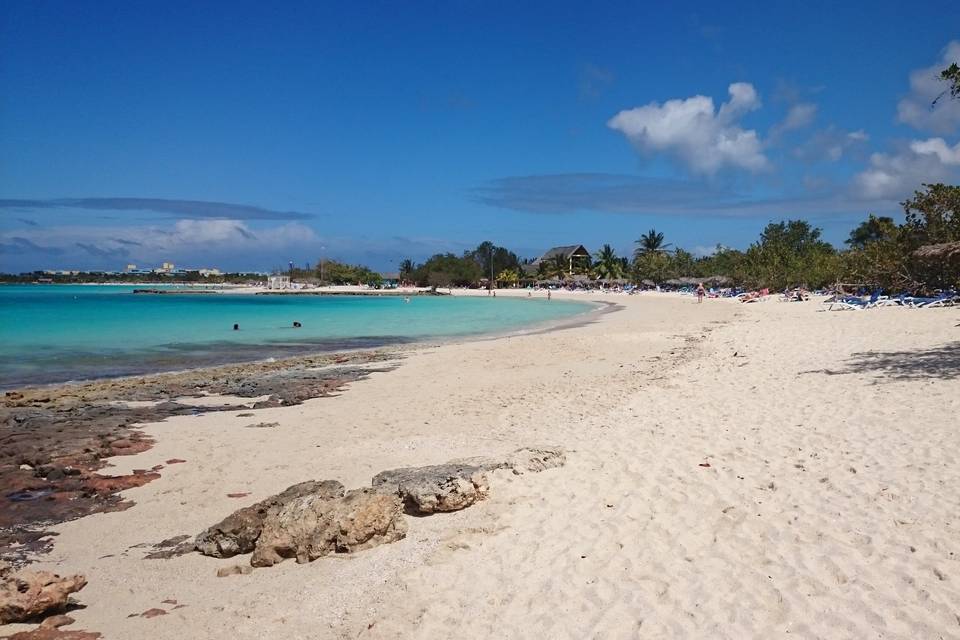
(945, 299)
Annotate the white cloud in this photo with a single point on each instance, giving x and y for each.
(896, 175)
(705, 139)
(197, 242)
(939, 148)
(925, 86)
(798, 117)
(830, 144)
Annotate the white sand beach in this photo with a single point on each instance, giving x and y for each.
(733, 471)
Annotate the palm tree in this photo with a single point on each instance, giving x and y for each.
(555, 266)
(406, 268)
(608, 265)
(650, 242)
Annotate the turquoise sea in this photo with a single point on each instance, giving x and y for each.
(55, 333)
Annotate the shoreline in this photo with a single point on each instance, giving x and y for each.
(306, 349)
(141, 397)
(166, 436)
(58, 439)
(705, 444)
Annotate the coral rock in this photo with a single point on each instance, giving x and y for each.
(30, 594)
(442, 487)
(238, 532)
(532, 460)
(310, 527)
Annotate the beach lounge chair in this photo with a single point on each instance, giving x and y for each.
(852, 303)
(946, 299)
(887, 301)
(845, 304)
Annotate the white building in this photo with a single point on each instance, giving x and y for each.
(278, 282)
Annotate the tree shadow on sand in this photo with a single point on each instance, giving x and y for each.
(941, 362)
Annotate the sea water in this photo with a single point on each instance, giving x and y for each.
(55, 333)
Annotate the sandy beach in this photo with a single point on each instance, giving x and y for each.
(733, 471)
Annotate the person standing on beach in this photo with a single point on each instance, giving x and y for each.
(700, 293)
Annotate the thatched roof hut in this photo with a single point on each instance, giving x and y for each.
(945, 251)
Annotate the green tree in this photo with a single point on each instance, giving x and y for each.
(336, 272)
(654, 265)
(555, 267)
(933, 214)
(650, 242)
(446, 269)
(933, 217)
(406, 268)
(509, 277)
(491, 258)
(607, 264)
(880, 261)
(682, 263)
(871, 230)
(950, 75)
(788, 254)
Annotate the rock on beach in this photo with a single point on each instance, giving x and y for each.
(313, 526)
(30, 594)
(238, 533)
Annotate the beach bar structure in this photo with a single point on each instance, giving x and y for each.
(575, 255)
(390, 279)
(278, 283)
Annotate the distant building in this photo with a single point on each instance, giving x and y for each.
(573, 255)
(131, 267)
(278, 282)
(390, 280)
(206, 273)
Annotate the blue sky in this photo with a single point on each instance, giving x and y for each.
(241, 135)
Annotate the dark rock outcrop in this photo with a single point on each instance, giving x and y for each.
(238, 532)
(55, 439)
(311, 526)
